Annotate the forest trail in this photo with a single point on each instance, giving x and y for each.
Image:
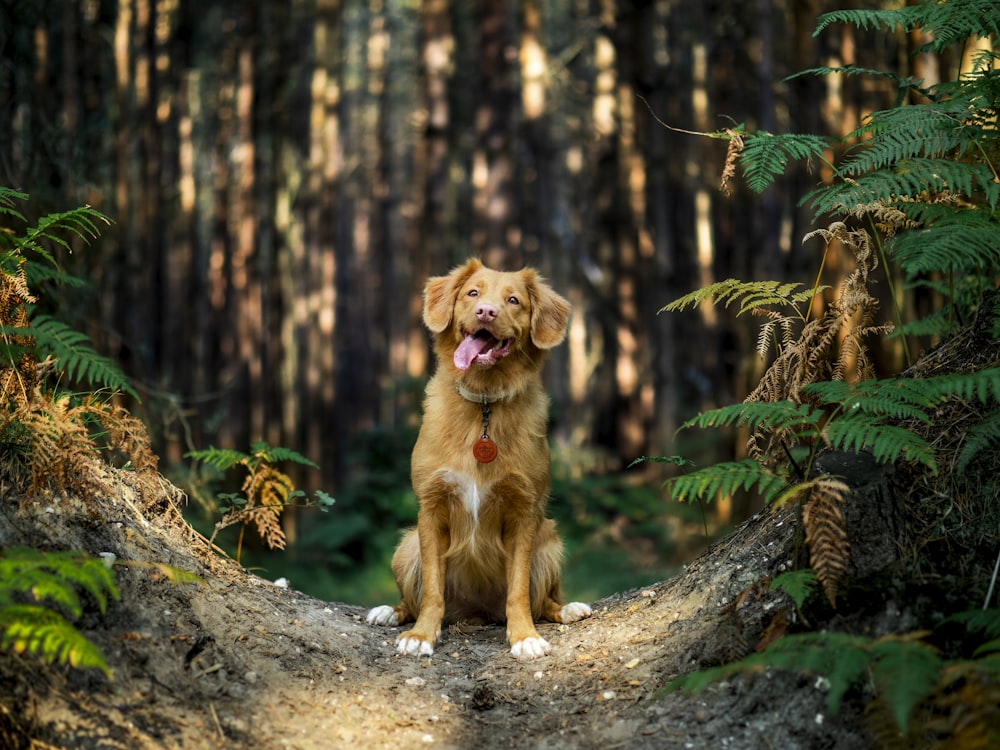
(237, 661)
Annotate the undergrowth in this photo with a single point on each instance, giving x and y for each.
(916, 197)
(264, 495)
(54, 439)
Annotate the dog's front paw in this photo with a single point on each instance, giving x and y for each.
(530, 648)
(414, 645)
(383, 615)
(574, 611)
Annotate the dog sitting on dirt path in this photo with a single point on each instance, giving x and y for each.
(483, 548)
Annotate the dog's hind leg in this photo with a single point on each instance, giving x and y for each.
(545, 580)
(406, 569)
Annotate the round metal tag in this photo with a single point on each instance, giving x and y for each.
(485, 450)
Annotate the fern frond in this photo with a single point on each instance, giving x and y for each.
(869, 19)
(887, 443)
(63, 569)
(46, 635)
(897, 398)
(726, 479)
(917, 131)
(62, 452)
(966, 242)
(857, 70)
(51, 579)
(72, 350)
(275, 454)
(798, 584)
(982, 385)
(8, 200)
(762, 415)
(81, 222)
(672, 460)
(751, 295)
(126, 433)
(843, 659)
(222, 459)
(765, 155)
(911, 177)
(982, 622)
(826, 533)
(979, 437)
(906, 670)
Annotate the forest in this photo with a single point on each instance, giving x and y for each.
(773, 419)
(282, 177)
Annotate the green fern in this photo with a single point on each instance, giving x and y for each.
(765, 156)
(911, 177)
(71, 350)
(916, 131)
(963, 243)
(905, 669)
(83, 222)
(802, 419)
(274, 454)
(947, 26)
(222, 459)
(750, 295)
(887, 443)
(45, 634)
(52, 580)
(979, 437)
(726, 479)
(908, 18)
(798, 584)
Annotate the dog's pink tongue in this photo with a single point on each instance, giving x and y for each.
(469, 349)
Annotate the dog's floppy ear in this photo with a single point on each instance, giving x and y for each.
(549, 312)
(439, 295)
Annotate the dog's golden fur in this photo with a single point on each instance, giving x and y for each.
(483, 547)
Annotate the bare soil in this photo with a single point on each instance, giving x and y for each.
(237, 661)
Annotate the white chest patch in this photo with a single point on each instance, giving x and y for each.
(470, 493)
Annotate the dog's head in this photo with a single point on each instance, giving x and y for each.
(484, 318)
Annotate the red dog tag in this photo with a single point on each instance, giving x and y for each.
(485, 450)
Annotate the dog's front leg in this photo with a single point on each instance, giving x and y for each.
(432, 531)
(519, 542)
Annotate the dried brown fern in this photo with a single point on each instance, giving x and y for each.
(826, 533)
(60, 452)
(267, 491)
(16, 383)
(828, 345)
(732, 156)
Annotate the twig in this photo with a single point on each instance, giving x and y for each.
(993, 583)
(215, 717)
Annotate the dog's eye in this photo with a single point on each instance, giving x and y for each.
(513, 301)
(473, 292)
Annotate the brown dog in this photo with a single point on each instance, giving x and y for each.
(483, 547)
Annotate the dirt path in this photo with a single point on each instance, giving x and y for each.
(237, 661)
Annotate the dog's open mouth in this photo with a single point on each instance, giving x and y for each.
(481, 347)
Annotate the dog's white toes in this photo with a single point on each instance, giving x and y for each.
(575, 611)
(530, 648)
(414, 647)
(383, 615)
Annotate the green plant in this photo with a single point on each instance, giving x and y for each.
(917, 192)
(36, 589)
(266, 491)
(27, 338)
(49, 435)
